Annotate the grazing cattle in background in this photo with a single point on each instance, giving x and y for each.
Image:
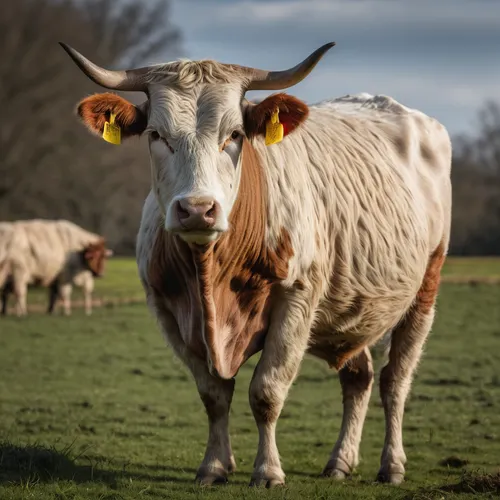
(320, 243)
(55, 254)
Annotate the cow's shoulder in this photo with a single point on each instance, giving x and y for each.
(413, 139)
(147, 235)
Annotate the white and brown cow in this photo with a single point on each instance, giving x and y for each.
(320, 243)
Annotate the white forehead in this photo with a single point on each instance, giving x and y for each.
(204, 108)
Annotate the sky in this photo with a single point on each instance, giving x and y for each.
(440, 56)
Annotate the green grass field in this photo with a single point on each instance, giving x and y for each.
(121, 281)
(98, 408)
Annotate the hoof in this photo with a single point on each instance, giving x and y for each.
(390, 477)
(336, 469)
(232, 465)
(337, 474)
(267, 481)
(211, 477)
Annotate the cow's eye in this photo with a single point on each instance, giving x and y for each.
(235, 135)
(155, 135)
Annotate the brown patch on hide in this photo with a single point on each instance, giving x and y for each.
(357, 375)
(95, 257)
(172, 278)
(264, 409)
(220, 294)
(427, 293)
(96, 110)
(337, 356)
(292, 113)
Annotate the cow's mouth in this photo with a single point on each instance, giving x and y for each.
(199, 237)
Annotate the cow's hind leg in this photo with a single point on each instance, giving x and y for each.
(356, 379)
(407, 342)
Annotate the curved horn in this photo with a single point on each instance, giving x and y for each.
(276, 80)
(132, 80)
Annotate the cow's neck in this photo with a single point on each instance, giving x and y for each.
(220, 295)
(236, 275)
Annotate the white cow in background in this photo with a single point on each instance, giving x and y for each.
(51, 253)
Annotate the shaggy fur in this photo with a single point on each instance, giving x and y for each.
(186, 74)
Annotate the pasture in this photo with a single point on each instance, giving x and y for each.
(98, 408)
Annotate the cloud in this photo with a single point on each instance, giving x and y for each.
(441, 55)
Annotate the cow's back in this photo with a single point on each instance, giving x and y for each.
(414, 148)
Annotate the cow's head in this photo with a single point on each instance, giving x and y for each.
(196, 118)
(94, 257)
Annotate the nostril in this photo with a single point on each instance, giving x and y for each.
(182, 212)
(211, 211)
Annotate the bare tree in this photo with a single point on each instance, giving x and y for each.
(476, 187)
(48, 166)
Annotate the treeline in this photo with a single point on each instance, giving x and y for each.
(51, 168)
(476, 187)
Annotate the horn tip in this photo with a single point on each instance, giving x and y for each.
(69, 50)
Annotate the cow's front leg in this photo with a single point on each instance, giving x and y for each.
(65, 292)
(285, 345)
(216, 395)
(53, 296)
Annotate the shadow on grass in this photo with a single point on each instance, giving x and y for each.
(34, 463)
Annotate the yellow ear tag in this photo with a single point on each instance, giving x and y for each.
(274, 129)
(112, 132)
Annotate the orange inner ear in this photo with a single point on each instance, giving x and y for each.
(292, 112)
(96, 110)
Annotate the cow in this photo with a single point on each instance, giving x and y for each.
(56, 254)
(284, 229)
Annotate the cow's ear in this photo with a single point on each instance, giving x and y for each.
(96, 110)
(292, 112)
